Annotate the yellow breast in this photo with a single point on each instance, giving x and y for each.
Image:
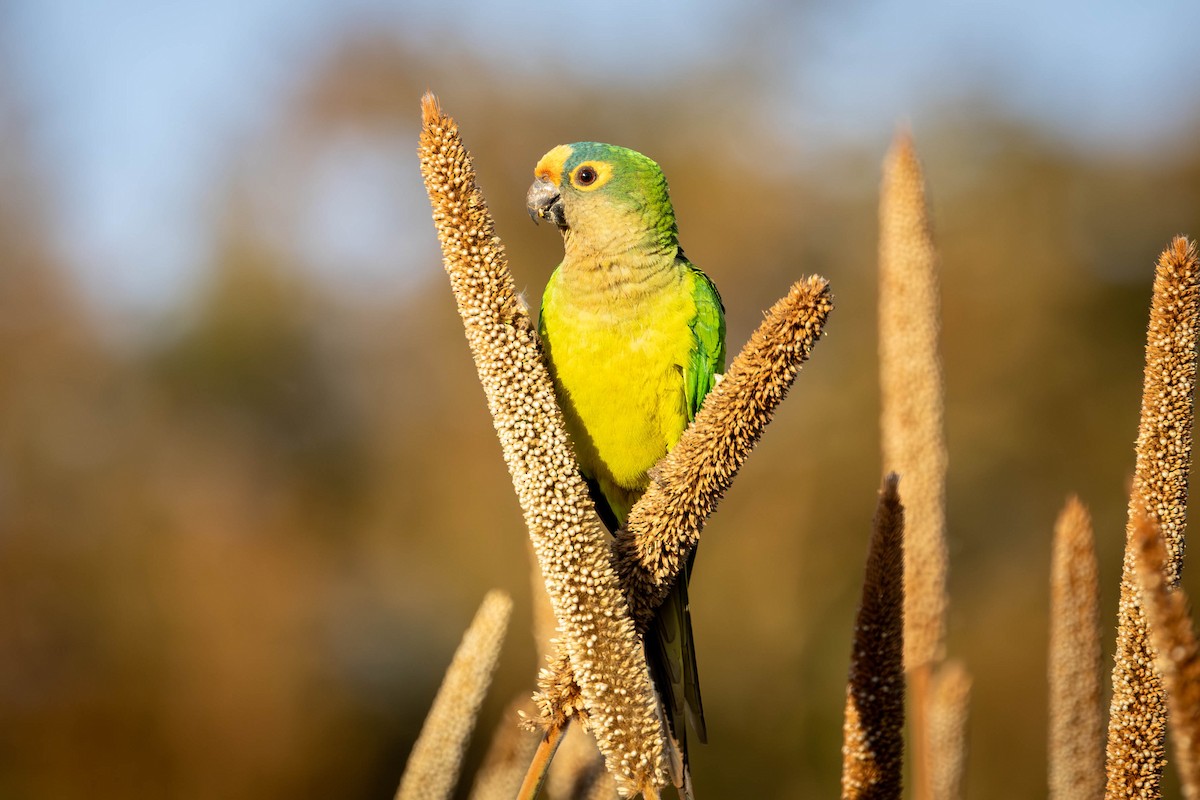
(618, 369)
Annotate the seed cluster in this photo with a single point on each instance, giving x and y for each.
(1174, 638)
(873, 727)
(1076, 725)
(911, 402)
(604, 652)
(685, 487)
(1137, 714)
(436, 756)
(949, 704)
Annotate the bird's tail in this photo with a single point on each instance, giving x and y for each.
(672, 656)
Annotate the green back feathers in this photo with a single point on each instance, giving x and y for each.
(708, 328)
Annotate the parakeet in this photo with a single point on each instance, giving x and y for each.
(634, 336)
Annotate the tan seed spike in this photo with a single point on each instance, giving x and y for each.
(911, 424)
(433, 765)
(1174, 638)
(911, 384)
(1164, 446)
(949, 699)
(1137, 714)
(685, 487)
(873, 729)
(688, 483)
(1076, 723)
(605, 653)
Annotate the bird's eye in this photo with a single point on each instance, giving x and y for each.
(586, 176)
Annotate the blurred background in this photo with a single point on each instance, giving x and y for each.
(249, 491)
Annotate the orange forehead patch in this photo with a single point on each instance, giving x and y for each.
(551, 165)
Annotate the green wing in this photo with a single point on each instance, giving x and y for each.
(676, 656)
(708, 355)
(550, 284)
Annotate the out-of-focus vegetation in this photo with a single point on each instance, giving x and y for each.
(235, 559)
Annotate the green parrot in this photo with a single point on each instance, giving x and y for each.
(634, 336)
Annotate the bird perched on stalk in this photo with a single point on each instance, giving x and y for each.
(634, 335)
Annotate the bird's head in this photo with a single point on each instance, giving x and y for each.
(593, 190)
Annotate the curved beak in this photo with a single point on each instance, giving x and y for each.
(545, 202)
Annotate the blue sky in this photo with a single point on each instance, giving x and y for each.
(133, 104)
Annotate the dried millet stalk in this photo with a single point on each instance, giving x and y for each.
(911, 425)
(949, 698)
(664, 526)
(873, 727)
(1174, 638)
(1076, 721)
(437, 755)
(607, 662)
(1137, 713)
